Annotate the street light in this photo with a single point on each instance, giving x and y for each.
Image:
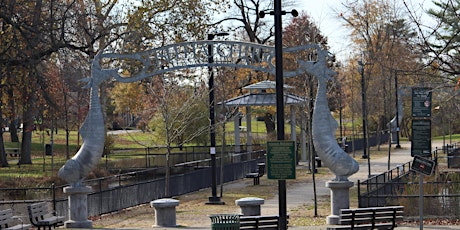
(363, 99)
(280, 100)
(214, 199)
(363, 94)
(398, 146)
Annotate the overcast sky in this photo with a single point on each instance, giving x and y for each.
(324, 15)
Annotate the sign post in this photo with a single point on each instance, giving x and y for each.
(424, 167)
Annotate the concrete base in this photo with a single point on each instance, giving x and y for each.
(340, 199)
(165, 212)
(78, 207)
(250, 206)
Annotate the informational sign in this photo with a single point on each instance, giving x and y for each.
(423, 165)
(421, 137)
(281, 160)
(421, 102)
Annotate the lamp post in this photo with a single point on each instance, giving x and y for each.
(280, 100)
(213, 199)
(364, 112)
(363, 97)
(398, 146)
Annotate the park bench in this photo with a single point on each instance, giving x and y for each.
(258, 174)
(13, 152)
(369, 218)
(260, 222)
(41, 216)
(10, 222)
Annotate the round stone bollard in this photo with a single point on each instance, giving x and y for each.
(165, 212)
(250, 206)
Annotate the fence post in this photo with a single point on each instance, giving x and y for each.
(53, 192)
(359, 194)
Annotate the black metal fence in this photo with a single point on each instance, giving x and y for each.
(400, 186)
(111, 194)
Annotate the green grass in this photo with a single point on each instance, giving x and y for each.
(48, 166)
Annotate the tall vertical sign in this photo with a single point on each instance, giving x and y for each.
(421, 122)
(421, 138)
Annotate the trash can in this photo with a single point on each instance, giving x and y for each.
(225, 221)
(48, 150)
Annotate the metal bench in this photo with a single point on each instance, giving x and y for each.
(260, 222)
(10, 222)
(258, 174)
(41, 216)
(370, 218)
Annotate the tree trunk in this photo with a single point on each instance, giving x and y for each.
(28, 128)
(12, 126)
(3, 160)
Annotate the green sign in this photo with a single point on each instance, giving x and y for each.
(423, 165)
(281, 160)
(421, 137)
(421, 102)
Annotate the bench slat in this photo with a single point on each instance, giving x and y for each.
(378, 209)
(369, 220)
(370, 215)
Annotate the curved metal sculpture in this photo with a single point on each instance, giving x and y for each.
(324, 125)
(195, 54)
(92, 131)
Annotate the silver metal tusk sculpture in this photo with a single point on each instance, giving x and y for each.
(324, 125)
(92, 130)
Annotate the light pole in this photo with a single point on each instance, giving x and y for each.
(398, 146)
(364, 113)
(280, 100)
(213, 199)
(363, 97)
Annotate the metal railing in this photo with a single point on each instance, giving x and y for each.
(400, 186)
(114, 193)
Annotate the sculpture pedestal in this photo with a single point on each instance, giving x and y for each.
(78, 207)
(340, 199)
(250, 206)
(165, 212)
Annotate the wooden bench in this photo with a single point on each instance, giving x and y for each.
(370, 218)
(11, 222)
(13, 152)
(260, 222)
(258, 174)
(41, 216)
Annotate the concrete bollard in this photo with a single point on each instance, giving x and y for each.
(250, 206)
(165, 212)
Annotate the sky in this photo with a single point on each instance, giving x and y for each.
(324, 14)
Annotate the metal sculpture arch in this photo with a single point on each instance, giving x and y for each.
(182, 56)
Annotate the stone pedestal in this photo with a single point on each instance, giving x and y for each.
(78, 207)
(340, 199)
(165, 212)
(250, 206)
